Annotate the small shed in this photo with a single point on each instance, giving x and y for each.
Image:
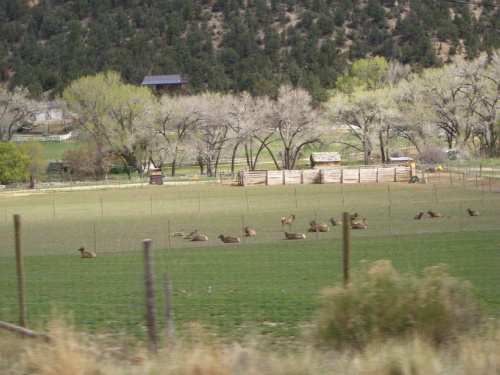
(155, 177)
(325, 160)
(169, 82)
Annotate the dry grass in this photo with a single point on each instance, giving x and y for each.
(77, 354)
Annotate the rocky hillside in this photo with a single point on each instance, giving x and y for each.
(233, 45)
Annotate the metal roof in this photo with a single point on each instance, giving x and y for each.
(170, 79)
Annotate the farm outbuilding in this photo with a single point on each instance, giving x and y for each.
(325, 160)
(169, 82)
(155, 177)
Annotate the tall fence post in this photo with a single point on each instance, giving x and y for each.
(150, 298)
(169, 314)
(347, 245)
(20, 271)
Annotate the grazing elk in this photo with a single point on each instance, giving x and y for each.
(335, 223)
(359, 224)
(472, 213)
(199, 237)
(287, 220)
(294, 236)
(179, 233)
(419, 215)
(86, 254)
(191, 235)
(249, 232)
(229, 239)
(434, 214)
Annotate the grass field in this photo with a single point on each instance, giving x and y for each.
(265, 286)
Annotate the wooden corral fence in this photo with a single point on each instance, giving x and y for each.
(326, 176)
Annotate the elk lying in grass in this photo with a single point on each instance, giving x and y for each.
(199, 237)
(86, 254)
(335, 223)
(354, 216)
(287, 220)
(229, 239)
(434, 214)
(359, 224)
(191, 235)
(249, 232)
(419, 215)
(295, 236)
(319, 228)
(179, 233)
(472, 213)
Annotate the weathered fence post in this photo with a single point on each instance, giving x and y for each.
(389, 193)
(347, 245)
(169, 314)
(150, 298)
(20, 271)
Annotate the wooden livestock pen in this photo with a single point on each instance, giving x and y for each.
(326, 176)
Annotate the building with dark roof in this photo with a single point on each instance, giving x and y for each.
(170, 82)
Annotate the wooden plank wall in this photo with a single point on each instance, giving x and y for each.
(326, 176)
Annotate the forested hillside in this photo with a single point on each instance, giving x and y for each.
(233, 45)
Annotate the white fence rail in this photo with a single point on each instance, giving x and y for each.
(42, 138)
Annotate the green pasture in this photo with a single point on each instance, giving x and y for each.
(265, 285)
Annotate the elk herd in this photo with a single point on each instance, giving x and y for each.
(315, 226)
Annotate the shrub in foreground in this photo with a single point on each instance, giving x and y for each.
(380, 303)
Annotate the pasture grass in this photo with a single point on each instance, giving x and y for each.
(265, 286)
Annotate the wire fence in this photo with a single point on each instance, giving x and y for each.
(265, 284)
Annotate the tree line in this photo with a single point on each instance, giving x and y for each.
(255, 46)
(378, 102)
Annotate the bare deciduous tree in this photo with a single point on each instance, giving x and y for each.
(296, 123)
(13, 107)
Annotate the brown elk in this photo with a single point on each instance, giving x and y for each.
(199, 237)
(472, 213)
(319, 228)
(86, 254)
(287, 220)
(434, 214)
(359, 224)
(179, 233)
(249, 232)
(229, 239)
(191, 235)
(294, 236)
(419, 215)
(335, 223)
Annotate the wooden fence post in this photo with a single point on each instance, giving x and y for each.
(347, 245)
(150, 298)
(20, 271)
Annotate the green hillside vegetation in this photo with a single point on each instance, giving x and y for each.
(235, 45)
